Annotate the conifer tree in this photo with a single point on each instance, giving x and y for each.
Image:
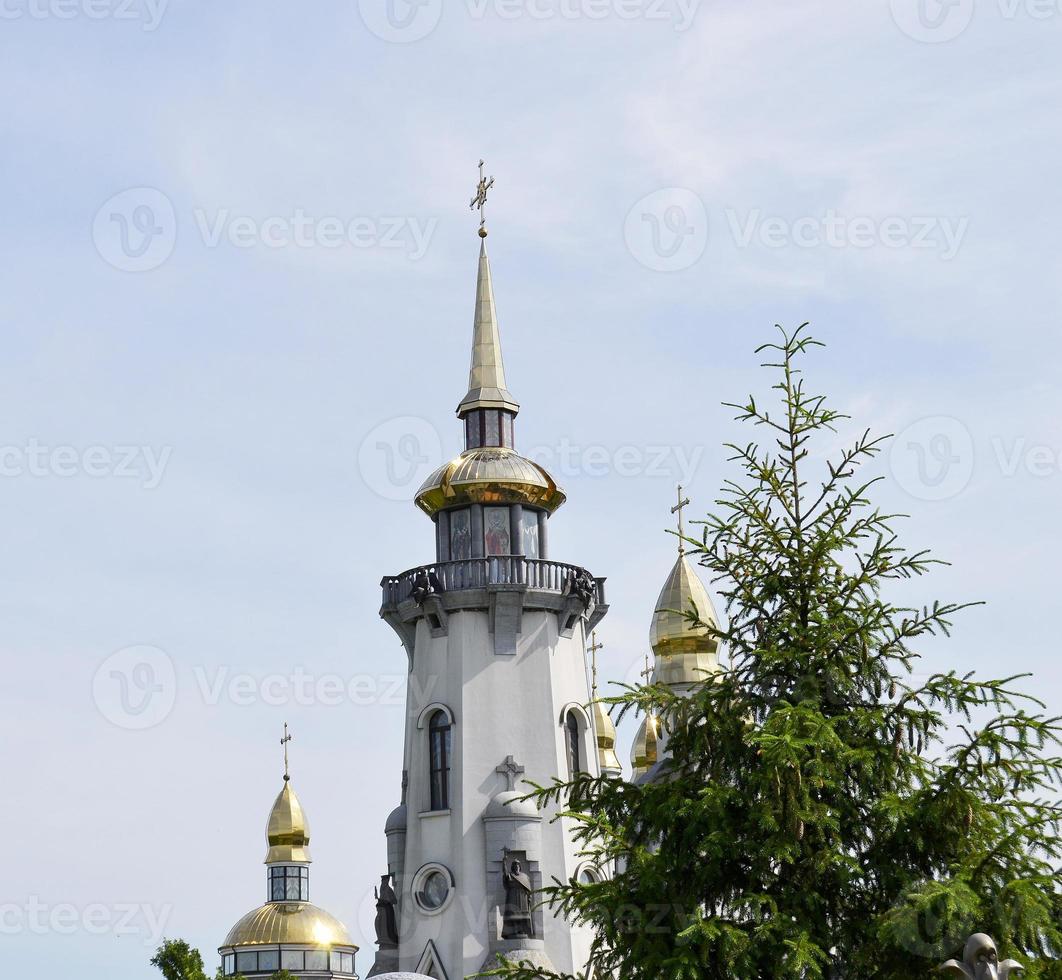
(823, 812)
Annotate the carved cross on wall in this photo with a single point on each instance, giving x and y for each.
(510, 770)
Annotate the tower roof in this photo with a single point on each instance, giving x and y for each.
(671, 631)
(288, 830)
(486, 377)
(606, 738)
(298, 923)
(644, 752)
(489, 475)
(685, 654)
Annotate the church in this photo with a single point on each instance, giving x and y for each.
(502, 633)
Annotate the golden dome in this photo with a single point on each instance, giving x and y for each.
(288, 830)
(684, 654)
(644, 753)
(489, 475)
(606, 739)
(297, 923)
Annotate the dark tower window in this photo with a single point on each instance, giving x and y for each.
(439, 747)
(571, 725)
(289, 884)
(489, 427)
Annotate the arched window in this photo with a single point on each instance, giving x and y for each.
(574, 737)
(439, 747)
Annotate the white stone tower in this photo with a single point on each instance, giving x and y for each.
(496, 633)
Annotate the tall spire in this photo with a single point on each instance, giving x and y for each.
(486, 377)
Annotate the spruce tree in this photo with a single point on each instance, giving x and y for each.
(824, 812)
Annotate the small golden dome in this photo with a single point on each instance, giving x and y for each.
(489, 475)
(606, 739)
(297, 923)
(644, 753)
(288, 830)
(684, 654)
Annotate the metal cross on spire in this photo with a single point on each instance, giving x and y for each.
(284, 742)
(683, 502)
(592, 650)
(480, 200)
(648, 672)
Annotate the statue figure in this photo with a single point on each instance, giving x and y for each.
(581, 585)
(386, 920)
(425, 583)
(517, 922)
(421, 587)
(980, 961)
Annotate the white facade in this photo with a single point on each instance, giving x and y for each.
(501, 706)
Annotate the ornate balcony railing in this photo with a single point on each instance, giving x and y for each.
(479, 573)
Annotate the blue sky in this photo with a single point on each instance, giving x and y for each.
(237, 259)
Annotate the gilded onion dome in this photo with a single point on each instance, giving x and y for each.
(645, 752)
(685, 654)
(489, 475)
(297, 923)
(606, 739)
(288, 830)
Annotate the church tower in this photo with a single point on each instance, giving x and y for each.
(684, 656)
(287, 932)
(495, 631)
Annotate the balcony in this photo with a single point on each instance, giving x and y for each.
(448, 577)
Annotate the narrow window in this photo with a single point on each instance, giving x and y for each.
(530, 532)
(573, 734)
(439, 733)
(492, 435)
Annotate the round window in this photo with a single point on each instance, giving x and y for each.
(434, 890)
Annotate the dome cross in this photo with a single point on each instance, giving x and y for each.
(683, 502)
(592, 650)
(284, 742)
(480, 200)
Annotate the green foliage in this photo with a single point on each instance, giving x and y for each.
(826, 813)
(176, 960)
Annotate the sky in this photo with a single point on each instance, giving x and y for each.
(237, 272)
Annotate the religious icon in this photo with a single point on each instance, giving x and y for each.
(460, 535)
(531, 534)
(497, 534)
